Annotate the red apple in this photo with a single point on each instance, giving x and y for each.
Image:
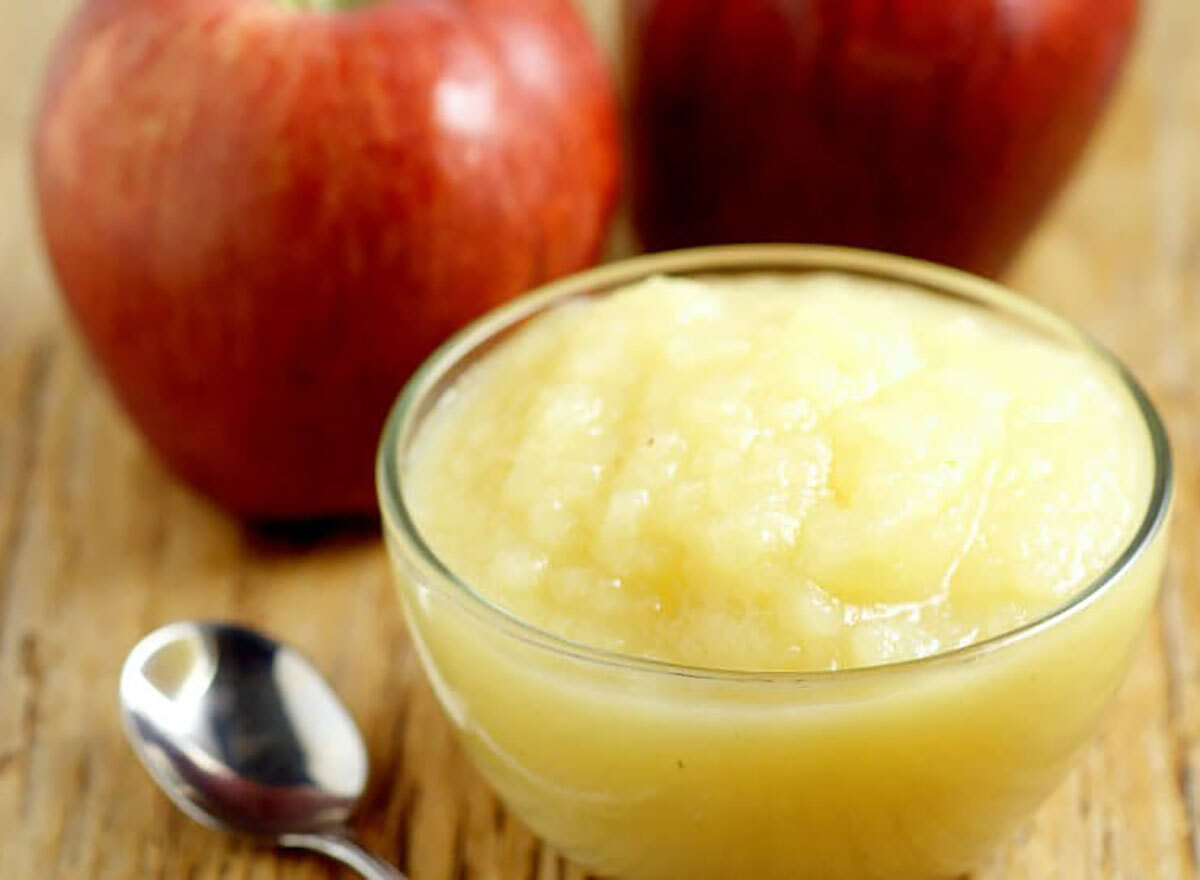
(935, 129)
(263, 215)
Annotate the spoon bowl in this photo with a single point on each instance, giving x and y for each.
(245, 735)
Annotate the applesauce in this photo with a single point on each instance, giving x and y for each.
(791, 571)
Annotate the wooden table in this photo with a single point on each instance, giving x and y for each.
(98, 544)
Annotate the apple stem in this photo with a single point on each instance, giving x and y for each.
(325, 6)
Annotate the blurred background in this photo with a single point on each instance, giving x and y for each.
(26, 33)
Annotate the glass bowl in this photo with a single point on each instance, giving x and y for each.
(645, 769)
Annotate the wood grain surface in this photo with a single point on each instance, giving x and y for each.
(98, 544)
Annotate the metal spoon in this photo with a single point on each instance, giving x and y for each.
(245, 735)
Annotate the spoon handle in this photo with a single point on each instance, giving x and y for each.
(340, 846)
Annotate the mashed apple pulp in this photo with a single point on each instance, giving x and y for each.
(809, 472)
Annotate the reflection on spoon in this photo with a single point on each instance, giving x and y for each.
(244, 734)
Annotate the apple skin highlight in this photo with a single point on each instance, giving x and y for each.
(263, 218)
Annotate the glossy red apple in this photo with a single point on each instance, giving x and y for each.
(935, 128)
(263, 216)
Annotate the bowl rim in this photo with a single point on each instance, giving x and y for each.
(424, 565)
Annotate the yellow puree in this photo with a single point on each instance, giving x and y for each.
(779, 473)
